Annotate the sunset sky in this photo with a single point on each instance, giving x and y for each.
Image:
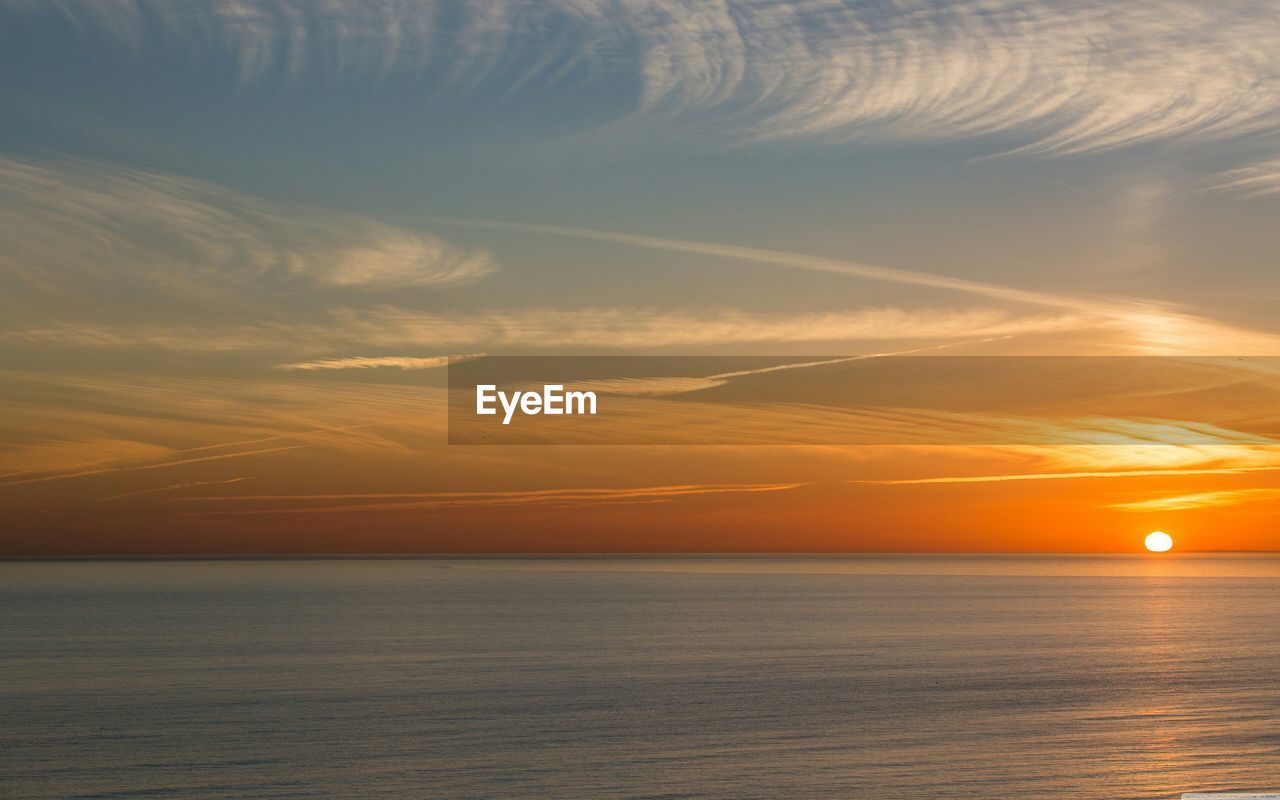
(242, 237)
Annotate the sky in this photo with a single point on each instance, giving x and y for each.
(242, 239)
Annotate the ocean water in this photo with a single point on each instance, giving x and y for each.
(861, 677)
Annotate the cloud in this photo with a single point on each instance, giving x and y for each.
(84, 454)
(671, 385)
(88, 226)
(410, 501)
(1054, 77)
(79, 227)
(180, 462)
(85, 426)
(615, 328)
(1147, 327)
(1185, 502)
(1164, 333)
(1055, 476)
(781, 258)
(372, 362)
(173, 487)
(1256, 180)
(93, 437)
(1085, 462)
(1065, 77)
(646, 328)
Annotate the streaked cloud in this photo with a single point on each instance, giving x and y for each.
(174, 446)
(618, 328)
(670, 384)
(1117, 328)
(789, 260)
(80, 455)
(1256, 180)
(374, 362)
(165, 464)
(89, 226)
(173, 487)
(641, 327)
(1054, 476)
(89, 229)
(1050, 77)
(1083, 462)
(341, 503)
(1064, 77)
(1186, 502)
(91, 427)
(1146, 326)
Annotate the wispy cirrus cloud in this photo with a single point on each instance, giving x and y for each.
(411, 501)
(1057, 476)
(1146, 327)
(166, 464)
(173, 487)
(618, 328)
(85, 226)
(801, 261)
(1112, 461)
(172, 232)
(374, 362)
(89, 426)
(1050, 77)
(1256, 180)
(1186, 502)
(1063, 77)
(648, 327)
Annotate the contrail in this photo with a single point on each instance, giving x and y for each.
(424, 500)
(813, 263)
(1155, 324)
(161, 465)
(1050, 476)
(170, 488)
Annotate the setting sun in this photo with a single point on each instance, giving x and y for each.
(1159, 542)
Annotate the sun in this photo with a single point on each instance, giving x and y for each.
(1159, 542)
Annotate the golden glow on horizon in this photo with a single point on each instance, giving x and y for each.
(1159, 542)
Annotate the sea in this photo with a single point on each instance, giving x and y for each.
(880, 677)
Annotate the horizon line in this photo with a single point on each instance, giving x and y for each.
(577, 554)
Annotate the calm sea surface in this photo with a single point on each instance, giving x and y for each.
(870, 677)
